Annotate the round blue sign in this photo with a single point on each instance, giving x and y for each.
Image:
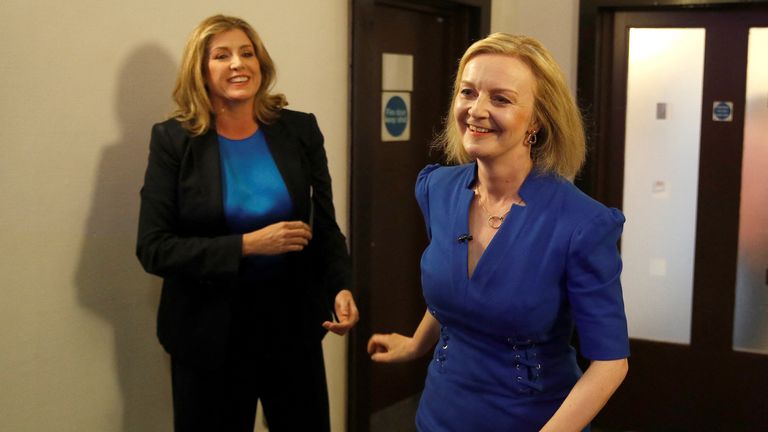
(722, 111)
(395, 116)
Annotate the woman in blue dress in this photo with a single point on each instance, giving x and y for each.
(518, 257)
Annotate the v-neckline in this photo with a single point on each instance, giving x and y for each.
(511, 222)
(491, 243)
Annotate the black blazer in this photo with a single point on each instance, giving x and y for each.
(183, 237)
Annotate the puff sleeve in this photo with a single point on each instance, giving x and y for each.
(422, 193)
(594, 287)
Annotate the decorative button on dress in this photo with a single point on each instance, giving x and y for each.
(504, 361)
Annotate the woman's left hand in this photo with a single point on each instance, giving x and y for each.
(346, 311)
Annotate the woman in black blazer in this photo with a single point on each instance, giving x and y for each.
(237, 218)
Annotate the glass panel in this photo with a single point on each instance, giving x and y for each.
(661, 171)
(751, 314)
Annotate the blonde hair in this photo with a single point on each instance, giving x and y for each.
(561, 146)
(193, 106)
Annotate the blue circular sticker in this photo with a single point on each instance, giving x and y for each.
(722, 111)
(395, 116)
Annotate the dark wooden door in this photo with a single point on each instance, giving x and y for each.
(388, 234)
(705, 385)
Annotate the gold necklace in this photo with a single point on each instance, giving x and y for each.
(493, 220)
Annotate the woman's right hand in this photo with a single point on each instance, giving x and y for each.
(391, 348)
(278, 238)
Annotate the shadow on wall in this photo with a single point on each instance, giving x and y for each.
(110, 281)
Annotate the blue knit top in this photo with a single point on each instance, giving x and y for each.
(254, 192)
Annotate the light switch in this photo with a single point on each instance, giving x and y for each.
(661, 111)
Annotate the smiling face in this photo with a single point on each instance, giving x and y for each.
(233, 74)
(493, 109)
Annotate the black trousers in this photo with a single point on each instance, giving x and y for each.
(289, 379)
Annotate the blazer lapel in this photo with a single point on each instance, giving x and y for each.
(289, 158)
(206, 184)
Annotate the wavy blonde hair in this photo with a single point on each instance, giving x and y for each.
(193, 106)
(561, 146)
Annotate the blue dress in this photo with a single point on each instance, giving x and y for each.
(504, 360)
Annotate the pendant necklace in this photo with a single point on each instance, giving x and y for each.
(494, 221)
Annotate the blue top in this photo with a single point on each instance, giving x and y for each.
(504, 362)
(253, 190)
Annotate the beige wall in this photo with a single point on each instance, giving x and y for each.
(554, 22)
(81, 83)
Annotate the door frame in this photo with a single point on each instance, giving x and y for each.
(595, 58)
(358, 362)
(599, 97)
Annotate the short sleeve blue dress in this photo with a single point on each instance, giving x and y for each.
(504, 360)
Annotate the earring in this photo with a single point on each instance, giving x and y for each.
(532, 138)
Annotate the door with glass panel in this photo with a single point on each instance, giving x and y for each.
(689, 143)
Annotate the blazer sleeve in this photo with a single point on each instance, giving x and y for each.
(163, 248)
(335, 263)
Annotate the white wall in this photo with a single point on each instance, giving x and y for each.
(82, 81)
(554, 22)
